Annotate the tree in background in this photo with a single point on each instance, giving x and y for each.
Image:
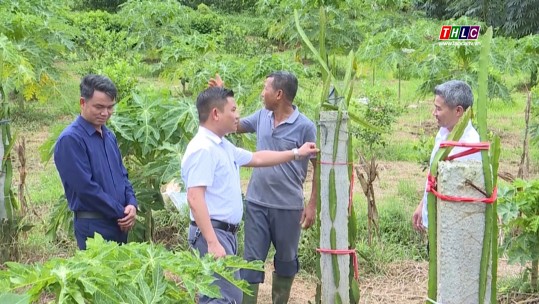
(382, 112)
(33, 34)
(231, 6)
(514, 18)
(104, 5)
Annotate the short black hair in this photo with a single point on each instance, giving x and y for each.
(213, 97)
(91, 83)
(285, 81)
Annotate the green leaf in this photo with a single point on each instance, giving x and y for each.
(317, 56)
(14, 298)
(508, 211)
(487, 169)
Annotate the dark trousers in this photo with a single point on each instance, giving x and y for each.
(108, 228)
(265, 226)
(230, 293)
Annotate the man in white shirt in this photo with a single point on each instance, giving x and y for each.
(210, 170)
(451, 101)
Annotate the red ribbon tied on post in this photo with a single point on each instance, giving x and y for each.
(474, 148)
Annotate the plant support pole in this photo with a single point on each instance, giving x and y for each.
(334, 195)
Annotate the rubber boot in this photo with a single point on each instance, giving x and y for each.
(247, 299)
(280, 289)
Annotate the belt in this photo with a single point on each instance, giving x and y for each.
(89, 215)
(222, 226)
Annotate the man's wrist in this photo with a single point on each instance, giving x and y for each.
(296, 154)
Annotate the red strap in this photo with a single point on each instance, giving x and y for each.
(474, 148)
(463, 153)
(431, 187)
(351, 252)
(479, 145)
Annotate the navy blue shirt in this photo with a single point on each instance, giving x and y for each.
(91, 169)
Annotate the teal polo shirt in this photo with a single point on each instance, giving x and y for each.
(280, 186)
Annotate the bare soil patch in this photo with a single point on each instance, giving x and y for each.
(402, 282)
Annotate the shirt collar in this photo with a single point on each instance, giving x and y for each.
(88, 127)
(209, 134)
(291, 119)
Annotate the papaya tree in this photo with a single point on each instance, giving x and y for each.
(38, 34)
(342, 32)
(152, 131)
(528, 57)
(519, 211)
(394, 48)
(131, 273)
(439, 63)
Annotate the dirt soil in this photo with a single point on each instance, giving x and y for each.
(402, 283)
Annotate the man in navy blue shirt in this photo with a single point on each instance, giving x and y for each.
(91, 169)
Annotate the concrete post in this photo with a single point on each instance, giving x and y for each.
(460, 231)
(330, 288)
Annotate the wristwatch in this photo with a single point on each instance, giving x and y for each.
(296, 154)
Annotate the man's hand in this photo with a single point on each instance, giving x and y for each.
(308, 216)
(216, 82)
(128, 221)
(216, 249)
(308, 149)
(417, 218)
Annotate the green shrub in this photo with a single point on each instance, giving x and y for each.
(236, 41)
(308, 244)
(231, 6)
(256, 26)
(102, 41)
(382, 112)
(206, 22)
(123, 76)
(105, 5)
(131, 273)
(398, 239)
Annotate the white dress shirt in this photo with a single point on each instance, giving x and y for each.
(470, 135)
(214, 162)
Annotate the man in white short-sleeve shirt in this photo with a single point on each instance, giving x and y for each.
(210, 171)
(452, 99)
